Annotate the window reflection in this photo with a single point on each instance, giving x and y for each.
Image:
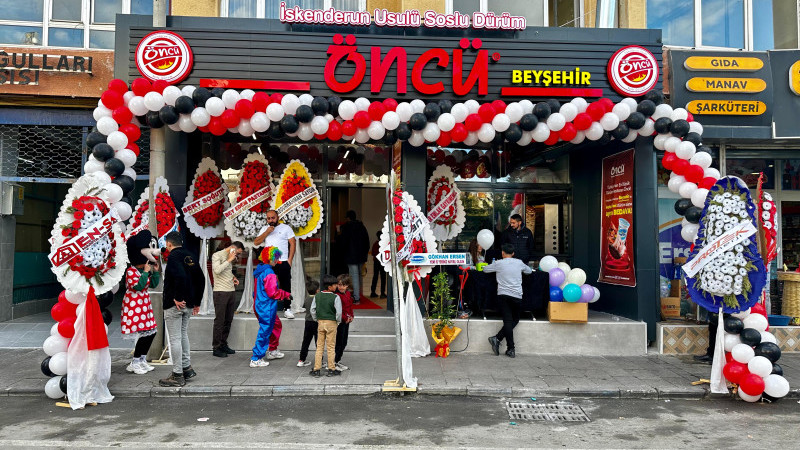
(749, 170)
(467, 165)
(723, 23)
(675, 18)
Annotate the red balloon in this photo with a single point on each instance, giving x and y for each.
(553, 139)
(66, 327)
(439, 156)
(582, 121)
(694, 173)
(204, 129)
(758, 308)
(596, 110)
(444, 139)
(390, 104)
(276, 97)
(668, 161)
(690, 117)
(734, 371)
(141, 86)
(450, 161)
(376, 111)
(134, 148)
(320, 137)
(680, 166)
(499, 106)
(62, 297)
(334, 130)
(728, 357)
(568, 133)
(216, 127)
(459, 133)
(245, 109)
(59, 312)
(131, 131)
(229, 119)
(361, 119)
(752, 384)
(260, 101)
(118, 85)
(112, 99)
(486, 112)
(607, 104)
(349, 128)
(159, 86)
(473, 122)
(122, 115)
(707, 182)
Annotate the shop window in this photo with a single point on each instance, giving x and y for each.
(512, 169)
(790, 228)
(467, 165)
(790, 180)
(101, 39)
(242, 8)
(21, 35)
(68, 10)
(30, 11)
(66, 37)
(675, 18)
(749, 170)
(367, 164)
(478, 210)
(722, 23)
(534, 11)
(143, 7)
(105, 11)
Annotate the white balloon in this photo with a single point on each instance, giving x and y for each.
(687, 189)
(689, 232)
(580, 136)
(328, 117)
(417, 105)
(416, 139)
(609, 121)
(622, 110)
(594, 132)
(596, 295)
(137, 106)
(776, 386)
(525, 139)
(305, 132)
(702, 159)
(662, 110)
(459, 112)
(290, 102)
(501, 122)
(431, 132)
(55, 344)
(674, 183)
(711, 172)
(660, 140)
(647, 129)
(679, 114)
(556, 122)
(630, 102)
(485, 238)
(58, 363)
(472, 106)
(248, 94)
(568, 110)
(685, 150)
(127, 96)
(53, 388)
(548, 263)
(75, 298)
(766, 336)
(632, 135)
(747, 397)
(54, 329)
(306, 99)
(541, 132)
(486, 133)
(129, 172)
(580, 103)
(275, 112)
(741, 314)
(93, 167)
(446, 122)
(526, 105)
(230, 97)
(576, 276)
(743, 353)
(514, 112)
(760, 366)
(695, 127)
(215, 106)
(153, 101)
(107, 125)
(123, 209)
(117, 140)
(186, 124)
(170, 94)
(731, 340)
(113, 192)
(188, 90)
(376, 131)
(319, 125)
(391, 120)
(362, 104)
(100, 112)
(757, 321)
(564, 268)
(200, 116)
(347, 110)
(699, 197)
(403, 110)
(245, 129)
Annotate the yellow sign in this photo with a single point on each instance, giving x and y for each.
(735, 85)
(548, 77)
(727, 107)
(794, 78)
(734, 63)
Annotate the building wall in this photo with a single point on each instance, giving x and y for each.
(200, 8)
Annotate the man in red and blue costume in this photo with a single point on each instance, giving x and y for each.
(266, 295)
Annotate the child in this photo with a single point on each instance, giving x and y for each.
(266, 295)
(509, 296)
(326, 309)
(343, 330)
(310, 331)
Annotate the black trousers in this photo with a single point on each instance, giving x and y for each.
(510, 309)
(143, 345)
(284, 273)
(341, 339)
(224, 308)
(713, 321)
(377, 271)
(309, 332)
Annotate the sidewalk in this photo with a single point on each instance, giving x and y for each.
(649, 377)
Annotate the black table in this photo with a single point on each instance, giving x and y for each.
(480, 290)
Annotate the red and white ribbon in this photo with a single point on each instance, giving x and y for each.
(448, 201)
(719, 246)
(204, 202)
(73, 247)
(296, 200)
(247, 203)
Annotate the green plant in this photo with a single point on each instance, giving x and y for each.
(443, 310)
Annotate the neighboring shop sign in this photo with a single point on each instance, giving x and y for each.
(727, 63)
(727, 107)
(164, 55)
(710, 84)
(786, 86)
(54, 72)
(438, 259)
(794, 78)
(616, 239)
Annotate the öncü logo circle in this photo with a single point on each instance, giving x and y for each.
(633, 71)
(164, 55)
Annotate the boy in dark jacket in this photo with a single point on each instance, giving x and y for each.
(326, 309)
(310, 331)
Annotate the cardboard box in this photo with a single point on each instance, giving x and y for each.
(671, 308)
(568, 312)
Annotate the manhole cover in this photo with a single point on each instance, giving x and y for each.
(553, 412)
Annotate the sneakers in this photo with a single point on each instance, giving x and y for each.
(302, 363)
(334, 372)
(147, 366)
(228, 350)
(275, 354)
(137, 366)
(300, 310)
(173, 380)
(258, 363)
(510, 353)
(340, 366)
(315, 373)
(220, 353)
(189, 373)
(288, 314)
(495, 345)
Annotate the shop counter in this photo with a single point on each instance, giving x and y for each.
(479, 292)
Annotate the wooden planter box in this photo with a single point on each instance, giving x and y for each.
(568, 312)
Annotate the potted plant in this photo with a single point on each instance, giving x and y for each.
(442, 312)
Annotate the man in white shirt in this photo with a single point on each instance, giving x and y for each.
(281, 236)
(509, 272)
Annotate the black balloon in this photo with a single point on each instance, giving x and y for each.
(646, 107)
(200, 95)
(777, 369)
(554, 105)
(102, 152)
(403, 131)
(94, 138)
(622, 131)
(142, 120)
(498, 139)
(333, 105)
(445, 105)
(418, 121)
(541, 110)
(655, 96)
(184, 104)
(733, 325)
(168, 115)
(105, 299)
(769, 350)
(513, 133)
(107, 316)
(46, 368)
(636, 120)
(662, 125)
(125, 182)
(679, 128)
(694, 138)
(289, 124)
(432, 111)
(750, 336)
(320, 106)
(528, 122)
(390, 137)
(682, 205)
(694, 214)
(604, 139)
(126, 200)
(304, 113)
(275, 130)
(153, 120)
(702, 148)
(62, 384)
(114, 167)
(217, 92)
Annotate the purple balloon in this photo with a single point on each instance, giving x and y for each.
(587, 293)
(557, 276)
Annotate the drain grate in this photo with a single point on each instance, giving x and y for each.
(552, 412)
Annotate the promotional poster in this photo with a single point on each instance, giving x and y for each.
(616, 248)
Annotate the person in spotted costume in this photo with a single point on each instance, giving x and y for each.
(137, 320)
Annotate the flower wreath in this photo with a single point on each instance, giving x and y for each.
(305, 218)
(450, 221)
(166, 212)
(255, 175)
(409, 239)
(207, 223)
(768, 216)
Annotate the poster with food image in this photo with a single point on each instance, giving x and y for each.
(616, 241)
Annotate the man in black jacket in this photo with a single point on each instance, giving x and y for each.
(518, 235)
(183, 281)
(355, 244)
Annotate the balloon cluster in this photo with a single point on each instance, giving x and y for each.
(567, 284)
(752, 352)
(55, 346)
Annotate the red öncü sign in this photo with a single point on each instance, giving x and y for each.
(616, 234)
(164, 55)
(632, 71)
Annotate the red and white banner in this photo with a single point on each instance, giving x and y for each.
(616, 209)
(73, 247)
(247, 203)
(204, 202)
(717, 247)
(296, 200)
(444, 205)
